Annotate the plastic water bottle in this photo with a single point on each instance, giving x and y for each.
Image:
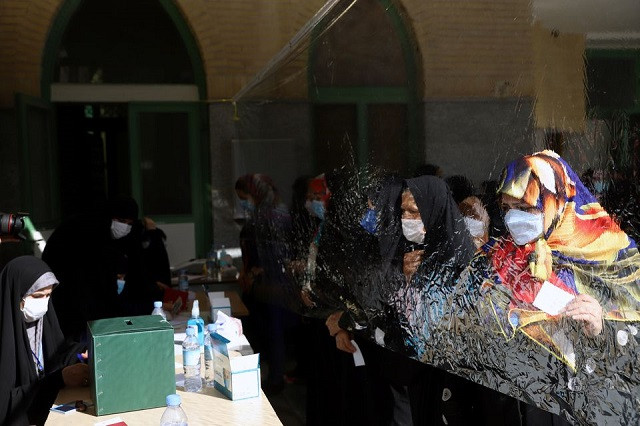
(196, 322)
(191, 362)
(157, 310)
(208, 356)
(212, 263)
(174, 415)
(223, 257)
(183, 280)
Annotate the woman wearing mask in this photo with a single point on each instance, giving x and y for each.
(263, 241)
(552, 305)
(318, 196)
(35, 361)
(475, 214)
(88, 252)
(439, 248)
(430, 246)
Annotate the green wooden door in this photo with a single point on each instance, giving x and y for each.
(38, 161)
(169, 166)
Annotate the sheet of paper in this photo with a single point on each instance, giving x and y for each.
(358, 359)
(552, 299)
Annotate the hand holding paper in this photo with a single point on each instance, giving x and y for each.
(552, 299)
(585, 308)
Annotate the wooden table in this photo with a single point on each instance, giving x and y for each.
(238, 308)
(207, 408)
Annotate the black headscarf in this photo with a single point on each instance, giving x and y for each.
(24, 398)
(386, 202)
(447, 237)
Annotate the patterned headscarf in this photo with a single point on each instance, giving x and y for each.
(318, 186)
(261, 188)
(583, 250)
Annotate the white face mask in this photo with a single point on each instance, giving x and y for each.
(524, 227)
(34, 308)
(413, 230)
(119, 229)
(475, 226)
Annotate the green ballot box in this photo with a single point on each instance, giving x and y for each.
(131, 362)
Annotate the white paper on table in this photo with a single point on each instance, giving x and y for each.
(358, 359)
(552, 299)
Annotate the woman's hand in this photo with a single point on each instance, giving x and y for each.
(411, 262)
(148, 223)
(343, 342)
(305, 295)
(76, 375)
(585, 308)
(332, 323)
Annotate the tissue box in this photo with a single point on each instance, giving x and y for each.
(218, 302)
(131, 363)
(236, 376)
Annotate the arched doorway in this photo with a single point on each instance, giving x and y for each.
(125, 80)
(363, 83)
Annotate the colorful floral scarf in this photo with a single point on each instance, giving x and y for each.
(583, 251)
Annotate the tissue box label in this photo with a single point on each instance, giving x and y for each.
(236, 377)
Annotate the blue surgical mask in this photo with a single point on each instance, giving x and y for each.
(247, 205)
(315, 208)
(600, 186)
(370, 221)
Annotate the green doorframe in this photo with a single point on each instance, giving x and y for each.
(50, 218)
(49, 58)
(362, 96)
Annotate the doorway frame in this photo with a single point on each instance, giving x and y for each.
(204, 219)
(363, 96)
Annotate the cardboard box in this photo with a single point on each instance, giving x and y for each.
(218, 302)
(131, 363)
(236, 376)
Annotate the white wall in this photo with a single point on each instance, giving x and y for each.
(181, 241)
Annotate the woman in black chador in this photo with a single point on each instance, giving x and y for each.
(35, 360)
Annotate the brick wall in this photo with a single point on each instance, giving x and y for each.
(467, 48)
(24, 25)
(238, 38)
(474, 48)
(559, 80)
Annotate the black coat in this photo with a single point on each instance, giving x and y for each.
(24, 398)
(84, 257)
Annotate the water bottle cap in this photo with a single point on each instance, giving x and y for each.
(157, 304)
(190, 331)
(195, 310)
(173, 399)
